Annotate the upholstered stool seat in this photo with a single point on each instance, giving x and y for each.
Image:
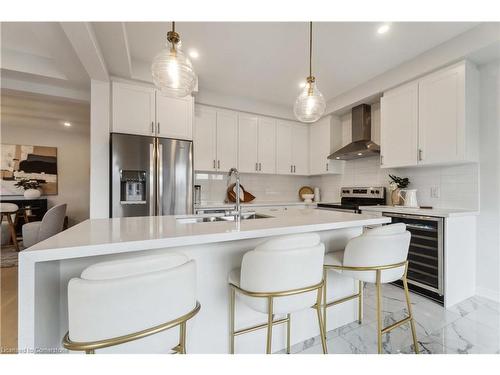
(116, 303)
(279, 277)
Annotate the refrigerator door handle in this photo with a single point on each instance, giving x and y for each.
(151, 179)
(160, 179)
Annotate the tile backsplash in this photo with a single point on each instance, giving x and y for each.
(452, 186)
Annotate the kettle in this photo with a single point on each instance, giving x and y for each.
(409, 197)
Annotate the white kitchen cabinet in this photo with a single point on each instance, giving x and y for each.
(215, 140)
(256, 144)
(267, 145)
(227, 140)
(320, 149)
(142, 110)
(284, 161)
(300, 149)
(292, 148)
(399, 131)
(447, 126)
(248, 143)
(133, 109)
(174, 116)
(205, 139)
(433, 120)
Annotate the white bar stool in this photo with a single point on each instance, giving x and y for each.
(120, 301)
(281, 276)
(378, 256)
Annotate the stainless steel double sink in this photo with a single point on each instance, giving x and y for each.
(214, 218)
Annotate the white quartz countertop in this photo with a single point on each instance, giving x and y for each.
(436, 212)
(121, 235)
(222, 205)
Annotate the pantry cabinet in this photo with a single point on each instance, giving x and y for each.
(320, 138)
(215, 139)
(143, 110)
(433, 120)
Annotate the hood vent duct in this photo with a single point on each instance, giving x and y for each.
(361, 146)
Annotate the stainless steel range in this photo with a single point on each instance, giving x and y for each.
(351, 198)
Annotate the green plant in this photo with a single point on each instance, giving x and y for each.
(27, 184)
(401, 182)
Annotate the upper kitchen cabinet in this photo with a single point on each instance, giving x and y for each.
(256, 144)
(174, 116)
(133, 109)
(399, 126)
(292, 148)
(215, 139)
(320, 137)
(142, 110)
(431, 121)
(205, 139)
(447, 115)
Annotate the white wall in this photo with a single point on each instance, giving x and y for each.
(488, 228)
(73, 155)
(99, 133)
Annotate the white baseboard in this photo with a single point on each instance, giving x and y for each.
(488, 293)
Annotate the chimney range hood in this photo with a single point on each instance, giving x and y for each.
(361, 146)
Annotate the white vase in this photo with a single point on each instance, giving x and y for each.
(32, 193)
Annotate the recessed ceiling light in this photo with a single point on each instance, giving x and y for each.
(360, 154)
(194, 54)
(68, 124)
(383, 29)
(338, 157)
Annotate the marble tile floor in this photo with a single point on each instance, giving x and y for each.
(472, 326)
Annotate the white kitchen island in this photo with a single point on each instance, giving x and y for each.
(217, 247)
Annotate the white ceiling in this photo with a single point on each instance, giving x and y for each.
(256, 60)
(266, 61)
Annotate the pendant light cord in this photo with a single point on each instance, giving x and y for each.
(173, 26)
(310, 48)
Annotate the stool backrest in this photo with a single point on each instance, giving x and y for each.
(116, 298)
(282, 264)
(380, 246)
(52, 222)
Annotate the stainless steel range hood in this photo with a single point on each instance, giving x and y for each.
(361, 146)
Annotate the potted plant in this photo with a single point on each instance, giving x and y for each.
(395, 185)
(31, 188)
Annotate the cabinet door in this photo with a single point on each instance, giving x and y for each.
(319, 146)
(227, 140)
(267, 145)
(441, 116)
(204, 139)
(300, 149)
(284, 160)
(174, 116)
(247, 143)
(399, 126)
(133, 109)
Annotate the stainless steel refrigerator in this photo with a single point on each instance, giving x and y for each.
(150, 176)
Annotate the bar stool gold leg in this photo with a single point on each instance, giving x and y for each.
(412, 322)
(379, 313)
(360, 302)
(182, 338)
(288, 329)
(322, 333)
(270, 318)
(325, 274)
(231, 320)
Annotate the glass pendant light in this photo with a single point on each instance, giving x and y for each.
(310, 104)
(172, 70)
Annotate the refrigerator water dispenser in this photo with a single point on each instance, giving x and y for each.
(133, 187)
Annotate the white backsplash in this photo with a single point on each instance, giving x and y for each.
(265, 188)
(458, 186)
